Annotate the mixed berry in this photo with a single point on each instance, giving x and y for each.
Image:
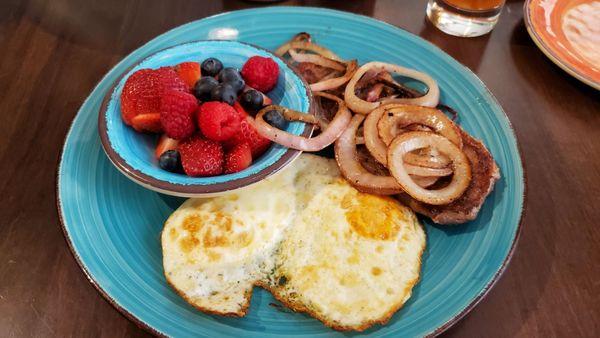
(201, 112)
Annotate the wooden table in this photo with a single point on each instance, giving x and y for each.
(53, 52)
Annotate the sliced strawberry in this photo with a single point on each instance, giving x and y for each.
(238, 158)
(189, 72)
(143, 89)
(165, 143)
(147, 123)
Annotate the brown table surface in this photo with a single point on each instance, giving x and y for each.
(53, 52)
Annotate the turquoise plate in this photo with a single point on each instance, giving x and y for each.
(113, 225)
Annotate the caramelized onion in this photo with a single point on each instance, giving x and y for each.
(424, 181)
(416, 170)
(331, 75)
(414, 140)
(306, 45)
(374, 93)
(356, 104)
(427, 157)
(302, 36)
(327, 136)
(292, 115)
(318, 60)
(335, 82)
(374, 144)
(347, 159)
(400, 116)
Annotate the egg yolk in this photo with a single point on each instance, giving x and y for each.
(373, 216)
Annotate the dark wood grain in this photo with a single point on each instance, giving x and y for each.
(52, 53)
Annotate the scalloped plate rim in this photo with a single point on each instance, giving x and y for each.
(549, 51)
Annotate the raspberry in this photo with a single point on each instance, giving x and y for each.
(238, 158)
(147, 123)
(189, 72)
(143, 89)
(201, 157)
(177, 114)
(260, 73)
(218, 121)
(247, 134)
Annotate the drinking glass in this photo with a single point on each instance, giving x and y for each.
(466, 18)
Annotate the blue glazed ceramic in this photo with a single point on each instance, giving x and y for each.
(133, 152)
(113, 225)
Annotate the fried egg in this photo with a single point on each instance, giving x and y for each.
(350, 259)
(214, 250)
(347, 258)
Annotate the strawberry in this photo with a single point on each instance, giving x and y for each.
(218, 121)
(189, 72)
(201, 157)
(177, 114)
(238, 158)
(143, 89)
(147, 123)
(165, 143)
(258, 144)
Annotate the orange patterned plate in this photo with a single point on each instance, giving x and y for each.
(568, 32)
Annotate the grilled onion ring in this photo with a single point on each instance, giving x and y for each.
(335, 82)
(428, 157)
(375, 92)
(415, 170)
(292, 115)
(374, 144)
(430, 99)
(347, 159)
(306, 45)
(424, 181)
(415, 165)
(317, 60)
(327, 136)
(414, 140)
(302, 36)
(404, 115)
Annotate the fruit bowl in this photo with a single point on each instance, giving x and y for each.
(132, 152)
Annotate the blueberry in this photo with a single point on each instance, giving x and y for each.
(251, 100)
(223, 92)
(204, 86)
(170, 161)
(275, 118)
(211, 67)
(232, 76)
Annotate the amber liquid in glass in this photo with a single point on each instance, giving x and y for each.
(475, 5)
(466, 18)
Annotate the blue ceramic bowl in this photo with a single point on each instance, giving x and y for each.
(133, 153)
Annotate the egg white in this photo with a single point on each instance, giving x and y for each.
(214, 250)
(320, 246)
